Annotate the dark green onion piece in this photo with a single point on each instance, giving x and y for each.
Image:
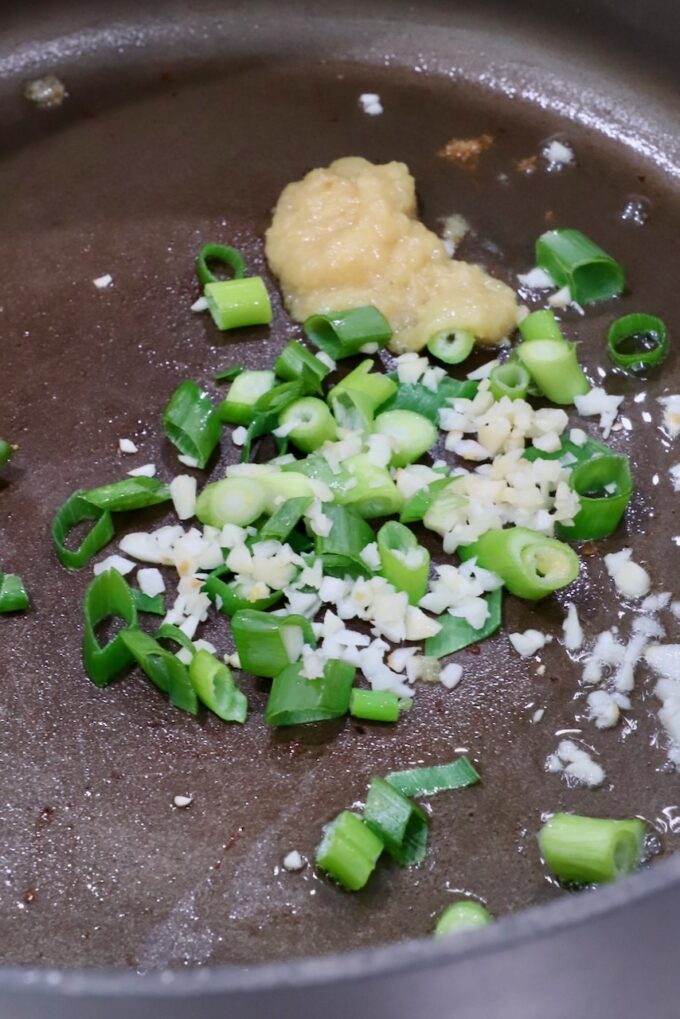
(343, 333)
(108, 596)
(128, 494)
(451, 347)
(154, 606)
(375, 705)
(341, 549)
(295, 361)
(540, 325)
(571, 259)
(462, 916)
(229, 597)
(349, 851)
(6, 452)
(591, 850)
(267, 410)
(399, 822)
(215, 687)
(648, 336)
(235, 304)
(13, 595)
(191, 422)
(285, 518)
(530, 565)
(248, 386)
(229, 374)
(267, 644)
(456, 633)
(569, 449)
(169, 632)
(510, 379)
(416, 397)
(601, 511)
(404, 563)
(75, 510)
(219, 253)
(295, 700)
(438, 779)
(375, 385)
(416, 507)
(163, 668)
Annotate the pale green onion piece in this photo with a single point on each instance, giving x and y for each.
(231, 501)
(451, 346)
(349, 851)
(410, 435)
(239, 406)
(404, 563)
(554, 368)
(530, 565)
(462, 916)
(591, 850)
(310, 422)
(237, 303)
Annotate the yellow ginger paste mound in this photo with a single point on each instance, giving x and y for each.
(348, 235)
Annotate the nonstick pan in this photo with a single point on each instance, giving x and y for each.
(181, 124)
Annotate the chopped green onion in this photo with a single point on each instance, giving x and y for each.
(236, 303)
(128, 494)
(540, 325)
(375, 385)
(75, 510)
(443, 507)
(451, 346)
(191, 422)
(440, 778)
(530, 565)
(108, 596)
(163, 668)
(340, 550)
(234, 500)
(13, 595)
(410, 434)
(416, 507)
(399, 822)
(219, 253)
(569, 450)
(6, 452)
(510, 379)
(215, 687)
(173, 633)
(267, 410)
(229, 598)
(229, 374)
(295, 361)
(462, 916)
(368, 489)
(267, 644)
(604, 486)
(295, 700)
(353, 409)
(456, 633)
(590, 850)
(311, 423)
(154, 606)
(571, 259)
(428, 402)
(239, 406)
(554, 368)
(282, 486)
(344, 333)
(349, 851)
(286, 517)
(375, 705)
(404, 563)
(636, 342)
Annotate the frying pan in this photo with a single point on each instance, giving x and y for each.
(181, 124)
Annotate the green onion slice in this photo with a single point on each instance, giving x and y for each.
(169, 632)
(510, 379)
(237, 303)
(222, 253)
(162, 668)
(367, 489)
(418, 398)
(230, 597)
(636, 342)
(154, 606)
(13, 595)
(267, 410)
(341, 549)
(376, 386)
(247, 388)
(410, 434)
(310, 422)
(191, 422)
(285, 518)
(399, 822)
(530, 565)
(569, 451)
(229, 374)
(233, 500)
(553, 366)
(604, 486)
(75, 510)
(295, 362)
(439, 778)
(456, 633)
(462, 916)
(353, 409)
(540, 325)
(6, 452)
(404, 563)
(451, 346)
(295, 700)
(215, 687)
(416, 507)
(591, 850)
(128, 494)
(267, 644)
(572, 259)
(108, 596)
(349, 851)
(375, 705)
(343, 333)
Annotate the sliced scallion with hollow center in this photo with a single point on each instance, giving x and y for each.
(349, 851)
(462, 916)
(451, 346)
(13, 595)
(295, 362)
(410, 434)
(399, 822)
(267, 644)
(404, 563)
(341, 334)
(162, 668)
(234, 500)
(308, 423)
(128, 494)
(510, 379)
(378, 388)
(239, 406)
(215, 687)
(75, 511)
(191, 422)
(571, 259)
(604, 486)
(108, 596)
(237, 303)
(553, 366)
(439, 778)
(223, 254)
(456, 633)
(637, 342)
(530, 565)
(6, 452)
(295, 700)
(591, 850)
(540, 325)
(375, 705)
